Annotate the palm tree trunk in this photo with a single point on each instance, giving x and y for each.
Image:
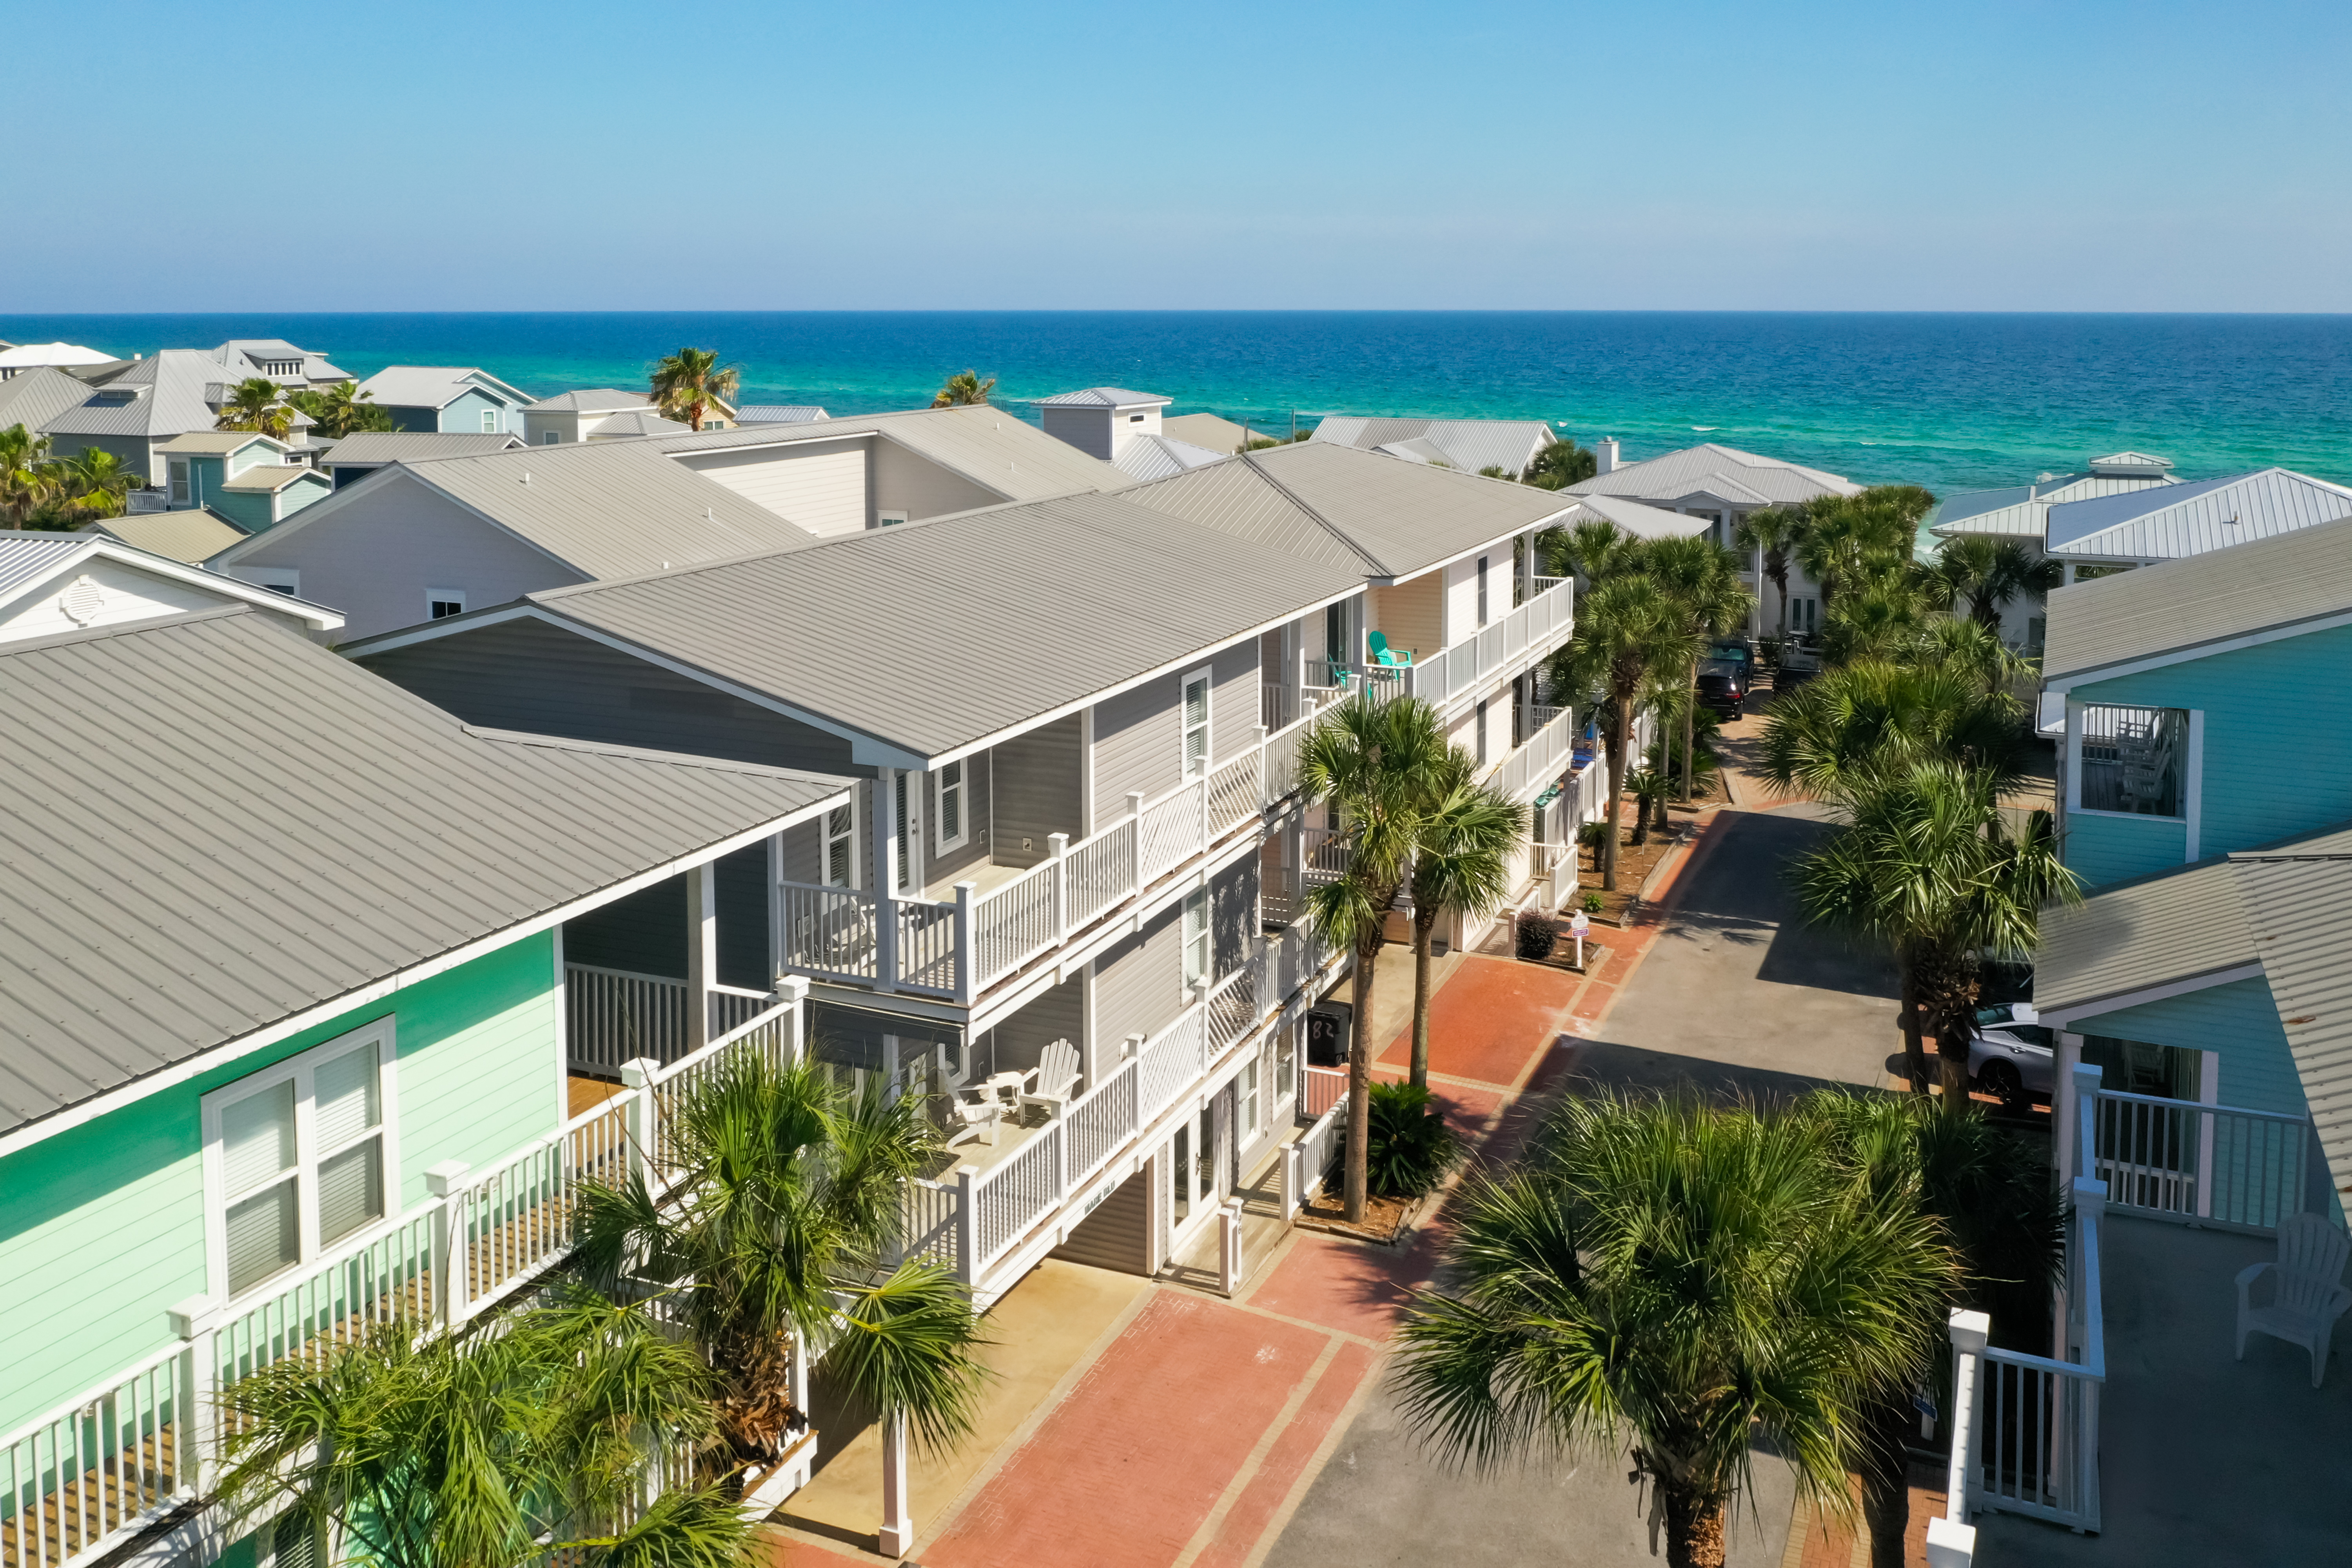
(1886, 1481)
(1616, 791)
(1915, 1049)
(1690, 725)
(1424, 931)
(1359, 1082)
(1694, 1535)
(1952, 1051)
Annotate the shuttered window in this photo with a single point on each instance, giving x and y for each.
(951, 806)
(1196, 724)
(299, 1157)
(841, 847)
(1196, 938)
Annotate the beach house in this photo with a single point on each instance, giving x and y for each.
(2022, 512)
(1722, 485)
(252, 482)
(447, 398)
(290, 1048)
(135, 412)
(355, 457)
(1123, 428)
(1076, 849)
(275, 358)
(603, 413)
(1473, 446)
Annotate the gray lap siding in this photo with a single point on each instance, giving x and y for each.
(1036, 787)
(1139, 733)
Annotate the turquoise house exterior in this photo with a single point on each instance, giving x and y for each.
(448, 399)
(2206, 805)
(294, 1055)
(243, 478)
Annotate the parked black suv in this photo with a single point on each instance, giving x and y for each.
(1723, 687)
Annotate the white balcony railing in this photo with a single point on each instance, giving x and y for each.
(1535, 628)
(1522, 774)
(960, 950)
(2205, 1164)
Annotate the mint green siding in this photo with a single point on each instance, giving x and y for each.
(2238, 1020)
(2265, 709)
(464, 415)
(249, 509)
(103, 1228)
(302, 492)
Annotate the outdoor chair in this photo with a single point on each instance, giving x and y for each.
(2309, 1296)
(974, 1119)
(1056, 1077)
(1383, 654)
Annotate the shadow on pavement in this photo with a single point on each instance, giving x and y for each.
(1601, 1064)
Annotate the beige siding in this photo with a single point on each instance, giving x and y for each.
(820, 486)
(1410, 615)
(1118, 1235)
(1233, 920)
(920, 487)
(373, 555)
(1035, 788)
(1139, 983)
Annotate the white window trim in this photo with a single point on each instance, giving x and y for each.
(181, 476)
(297, 1070)
(2192, 773)
(1208, 721)
(825, 845)
(490, 422)
(444, 596)
(1206, 940)
(963, 804)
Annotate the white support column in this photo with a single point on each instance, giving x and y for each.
(1058, 848)
(1229, 1247)
(701, 950)
(793, 990)
(2209, 1090)
(1969, 1332)
(636, 1077)
(196, 1321)
(776, 898)
(884, 859)
(967, 1226)
(896, 1537)
(446, 1181)
(2062, 1105)
(1135, 859)
(965, 892)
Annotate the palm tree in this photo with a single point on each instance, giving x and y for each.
(1877, 618)
(1595, 549)
(1379, 765)
(1560, 463)
(343, 409)
(25, 480)
(1461, 861)
(1702, 578)
(1775, 533)
(1991, 1193)
(487, 1450)
(91, 484)
(1625, 629)
(1981, 574)
(257, 404)
(967, 389)
(778, 1241)
(1927, 864)
(1685, 1281)
(686, 384)
(1849, 540)
(1873, 718)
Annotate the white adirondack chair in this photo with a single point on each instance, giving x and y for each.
(1054, 1079)
(974, 1119)
(2310, 1295)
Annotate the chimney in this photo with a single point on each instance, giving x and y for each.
(1604, 455)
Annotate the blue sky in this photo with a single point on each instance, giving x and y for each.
(590, 156)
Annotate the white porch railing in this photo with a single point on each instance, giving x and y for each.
(1523, 775)
(1307, 1162)
(961, 948)
(2197, 1164)
(105, 1464)
(1527, 633)
(614, 1016)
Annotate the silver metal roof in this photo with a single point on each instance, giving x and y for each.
(1743, 478)
(214, 825)
(372, 448)
(1468, 444)
(2023, 510)
(2128, 936)
(1237, 498)
(218, 442)
(2127, 462)
(435, 385)
(636, 422)
(2164, 523)
(190, 535)
(270, 478)
(34, 398)
(2180, 606)
(1210, 430)
(1103, 397)
(608, 509)
(998, 450)
(778, 414)
(932, 636)
(27, 558)
(1160, 457)
(169, 395)
(1641, 522)
(2300, 910)
(247, 355)
(590, 400)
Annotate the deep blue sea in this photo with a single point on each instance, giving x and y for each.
(1952, 402)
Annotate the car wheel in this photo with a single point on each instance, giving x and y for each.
(2003, 1082)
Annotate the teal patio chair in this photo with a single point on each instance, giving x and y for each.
(1383, 654)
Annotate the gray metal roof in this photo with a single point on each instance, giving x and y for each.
(169, 396)
(28, 557)
(1468, 444)
(435, 385)
(2131, 935)
(778, 414)
(2180, 605)
(34, 398)
(1399, 517)
(998, 450)
(218, 442)
(372, 448)
(191, 535)
(636, 422)
(1158, 457)
(608, 509)
(2164, 523)
(2127, 461)
(933, 636)
(1641, 522)
(588, 400)
(2300, 910)
(1103, 397)
(1237, 498)
(270, 478)
(247, 355)
(214, 826)
(2023, 510)
(1743, 478)
(1210, 430)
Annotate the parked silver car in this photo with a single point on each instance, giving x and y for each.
(2010, 1054)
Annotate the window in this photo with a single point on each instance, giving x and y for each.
(440, 603)
(549, 438)
(948, 809)
(1196, 937)
(1482, 590)
(1196, 724)
(490, 421)
(1248, 1109)
(1481, 739)
(905, 801)
(296, 1156)
(180, 481)
(841, 847)
(1286, 1066)
(276, 579)
(2132, 759)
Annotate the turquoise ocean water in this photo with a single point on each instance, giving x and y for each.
(1952, 402)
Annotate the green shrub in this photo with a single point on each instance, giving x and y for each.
(1592, 904)
(1410, 1146)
